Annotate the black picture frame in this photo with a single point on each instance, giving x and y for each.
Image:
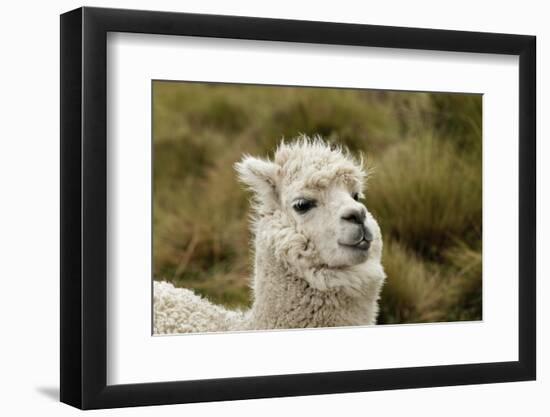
(84, 207)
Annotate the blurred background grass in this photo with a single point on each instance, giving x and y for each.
(426, 151)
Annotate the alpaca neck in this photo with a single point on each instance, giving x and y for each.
(284, 298)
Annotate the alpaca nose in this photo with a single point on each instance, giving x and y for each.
(367, 234)
(354, 215)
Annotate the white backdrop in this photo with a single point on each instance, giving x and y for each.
(29, 236)
(134, 356)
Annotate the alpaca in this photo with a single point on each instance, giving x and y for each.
(317, 248)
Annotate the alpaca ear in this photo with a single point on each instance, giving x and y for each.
(261, 176)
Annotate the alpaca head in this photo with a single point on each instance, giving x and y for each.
(308, 207)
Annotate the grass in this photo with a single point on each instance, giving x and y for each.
(425, 150)
(425, 194)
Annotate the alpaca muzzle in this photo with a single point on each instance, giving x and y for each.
(361, 238)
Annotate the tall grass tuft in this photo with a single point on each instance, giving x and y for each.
(424, 194)
(413, 291)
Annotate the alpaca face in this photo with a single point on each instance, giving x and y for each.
(308, 206)
(336, 224)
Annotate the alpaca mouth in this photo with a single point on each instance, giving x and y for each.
(363, 245)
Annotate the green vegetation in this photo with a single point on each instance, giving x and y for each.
(424, 150)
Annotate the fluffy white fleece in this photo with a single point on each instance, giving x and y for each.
(306, 271)
(179, 310)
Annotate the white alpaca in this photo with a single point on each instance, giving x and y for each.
(317, 248)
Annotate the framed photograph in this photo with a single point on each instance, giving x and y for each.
(258, 207)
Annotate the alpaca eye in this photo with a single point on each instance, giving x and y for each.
(302, 205)
(355, 196)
